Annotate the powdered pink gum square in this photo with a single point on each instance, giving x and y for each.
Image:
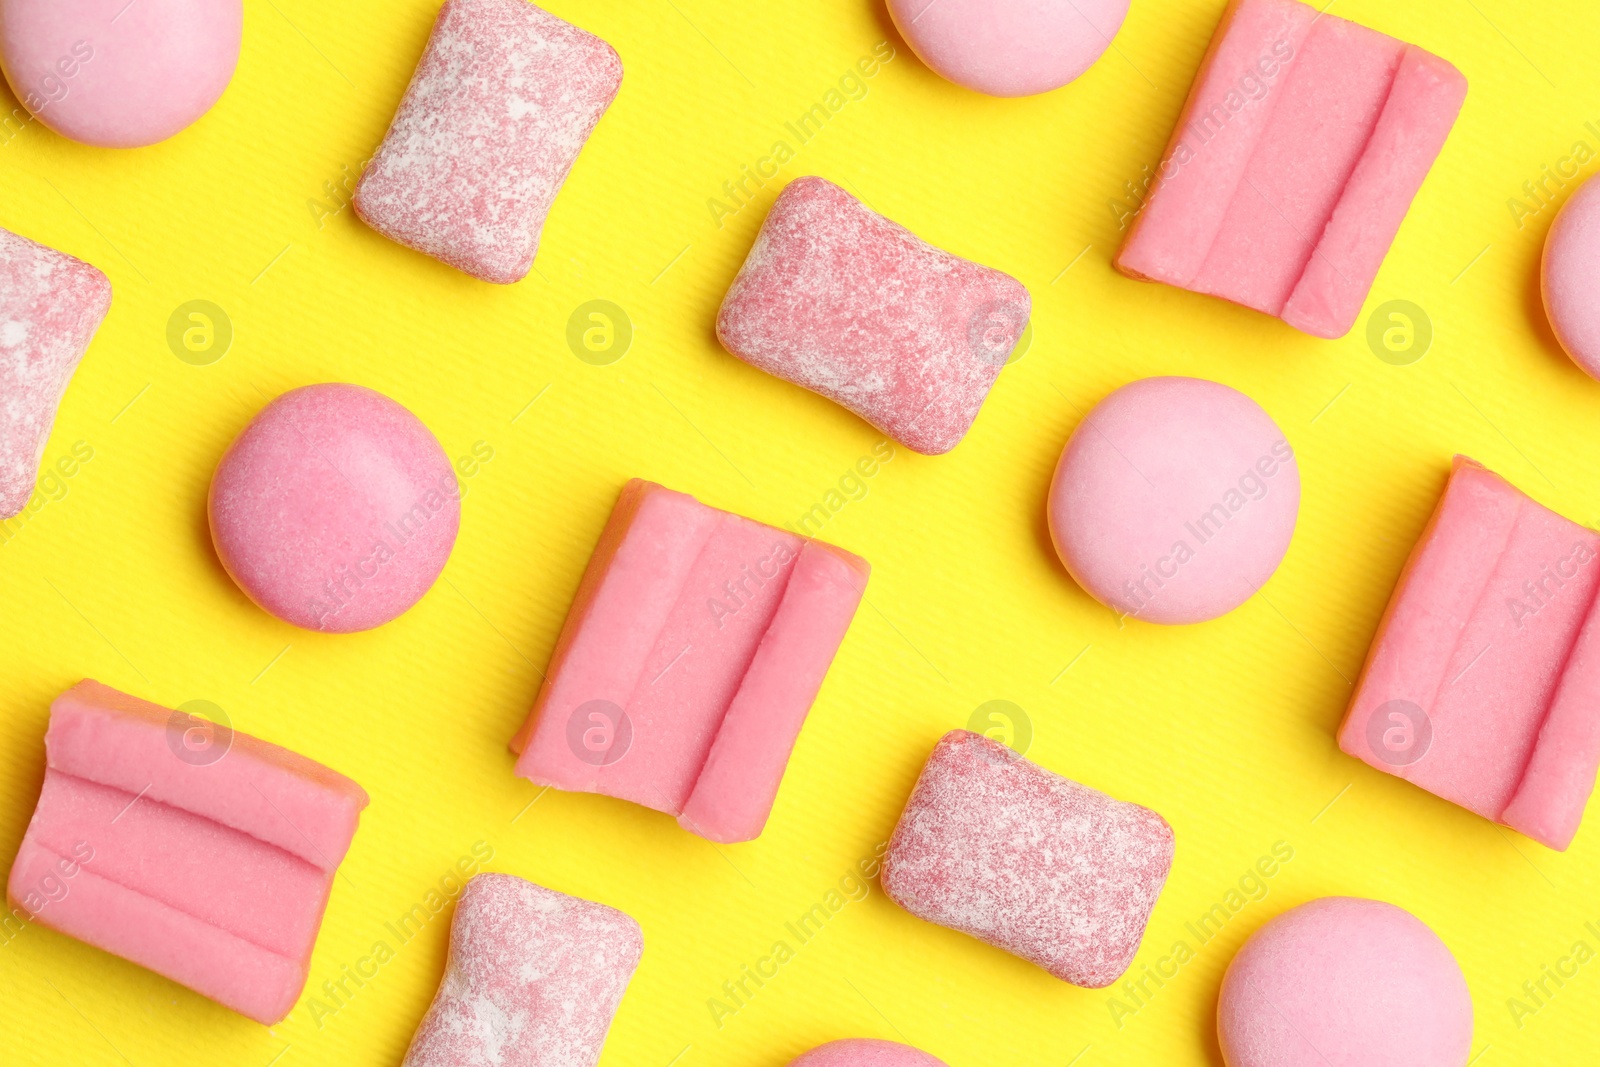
(185, 847)
(1026, 860)
(533, 979)
(499, 108)
(1483, 682)
(50, 307)
(836, 298)
(1304, 140)
(689, 660)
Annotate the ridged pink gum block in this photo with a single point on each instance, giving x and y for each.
(209, 865)
(1304, 140)
(533, 979)
(499, 107)
(50, 307)
(1028, 861)
(863, 1052)
(689, 660)
(836, 298)
(1483, 682)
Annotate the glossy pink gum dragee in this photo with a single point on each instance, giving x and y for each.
(1347, 982)
(1303, 142)
(836, 298)
(864, 1052)
(1028, 861)
(713, 633)
(213, 873)
(533, 979)
(50, 307)
(1493, 633)
(499, 108)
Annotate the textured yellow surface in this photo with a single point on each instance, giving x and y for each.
(1225, 728)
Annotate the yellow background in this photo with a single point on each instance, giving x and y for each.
(1225, 728)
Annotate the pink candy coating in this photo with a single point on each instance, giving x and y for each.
(1009, 47)
(1571, 277)
(1345, 981)
(533, 979)
(499, 107)
(864, 1052)
(115, 74)
(335, 509)
(1174, 500)
(1030, 862)
(836, 298)
(50, 307)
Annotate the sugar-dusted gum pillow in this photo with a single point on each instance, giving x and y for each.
(50, 307)
(1343, 980)
(1009, 47)
(838, 299)
(335, 509)
(186, 847)
(533, 979)
(117, 74)
(1028, 861)
(1303, 142)
(1571, 277)
(1174, 500)
(864, 1052)
(500, 105)
(694, 648)
(1482, 684)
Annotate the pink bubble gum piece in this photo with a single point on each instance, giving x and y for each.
(1571, 277)
(1302, 145)
(335, 509)
(1028, 861)
(1174, 500)
(209, 863)
(836, 298)
(50, 307)
(1316, 986)
(119, 75)
(533, 979)
(1483, 682)
(692, 653)
(1009, 47)
(499, 107)
(862, 1052)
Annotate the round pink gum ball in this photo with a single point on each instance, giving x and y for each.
(335, 509)
(1345, 981)
(117, 74)
(1009, 47)
(1174, 500)
(861, 1052)
(1571, 277)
